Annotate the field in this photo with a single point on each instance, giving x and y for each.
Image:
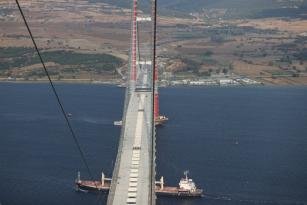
(91, 41)
(60, 64)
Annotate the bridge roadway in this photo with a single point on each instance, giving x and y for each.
(132, 177)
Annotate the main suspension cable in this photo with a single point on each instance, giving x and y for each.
(56, 95)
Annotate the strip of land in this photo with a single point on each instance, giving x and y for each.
(83, 40)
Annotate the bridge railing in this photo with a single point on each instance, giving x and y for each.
(120, 145)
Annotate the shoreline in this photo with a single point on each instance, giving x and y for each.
(120, 84)
(64, 81)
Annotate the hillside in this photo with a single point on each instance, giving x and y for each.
(234, 8)
(90, 41)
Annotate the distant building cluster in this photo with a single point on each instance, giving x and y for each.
(233, 81)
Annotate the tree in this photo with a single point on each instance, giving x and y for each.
(208, 53)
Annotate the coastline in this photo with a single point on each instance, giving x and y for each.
(64, 81)
(120, 83)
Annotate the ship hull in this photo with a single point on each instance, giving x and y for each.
(196, 194)
(177, 192)
(86, 186)
(166, 192)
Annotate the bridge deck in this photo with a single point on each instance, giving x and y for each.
(134, 174)
(133, 178)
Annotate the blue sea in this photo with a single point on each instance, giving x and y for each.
(242, 145)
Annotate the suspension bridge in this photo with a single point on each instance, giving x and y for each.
(133, 180)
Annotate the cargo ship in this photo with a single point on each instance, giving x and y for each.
(186, 189)
(86, 185)
(160, 120)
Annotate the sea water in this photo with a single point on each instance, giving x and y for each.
(242, 145)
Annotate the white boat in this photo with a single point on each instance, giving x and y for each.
(118, 123)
